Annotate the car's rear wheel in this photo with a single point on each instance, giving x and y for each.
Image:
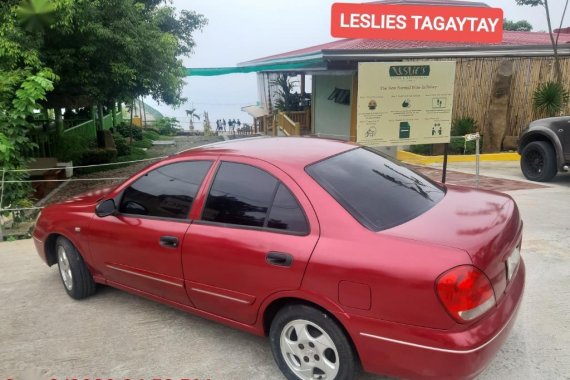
(308, 344)
(75, 275)
(538, 161)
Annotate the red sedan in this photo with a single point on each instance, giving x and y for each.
(343, 257)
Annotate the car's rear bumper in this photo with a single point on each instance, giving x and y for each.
(423, 353)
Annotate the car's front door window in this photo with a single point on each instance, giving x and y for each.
(166, 192)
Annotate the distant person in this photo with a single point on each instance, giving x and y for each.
(224, 124)
(238, 123)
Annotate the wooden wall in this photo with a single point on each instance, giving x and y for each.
(473, 82)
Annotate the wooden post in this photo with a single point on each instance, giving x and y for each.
(353, 109)
(496, 120)
(140, 112)
(114, 114)
(275, 125)
(2, 199)
(131, 123)
(100, 129)
(144, 113)
(94, 117)
(444, 172)
(58, 121)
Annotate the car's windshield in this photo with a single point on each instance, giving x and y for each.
(376, 191)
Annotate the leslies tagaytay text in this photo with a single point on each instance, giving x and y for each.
(418, 22)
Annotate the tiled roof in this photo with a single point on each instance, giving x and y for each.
(510, 39)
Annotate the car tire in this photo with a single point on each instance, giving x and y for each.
(538, 161)
(76, 277)
(307, 342)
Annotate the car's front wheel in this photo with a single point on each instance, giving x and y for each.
(75, 275)
(308, 344)
(538, 161)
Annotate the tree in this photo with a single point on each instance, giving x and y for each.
(192, 114)
(112, 50)
(553, 38)
(287, 99)
(517, 26)
(167, 126)
(24, 83)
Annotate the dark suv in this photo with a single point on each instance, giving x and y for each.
(545, 148)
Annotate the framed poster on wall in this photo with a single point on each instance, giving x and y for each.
(404, 103)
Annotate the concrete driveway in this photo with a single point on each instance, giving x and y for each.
(45, 334)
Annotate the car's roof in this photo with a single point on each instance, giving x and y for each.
(281, 151)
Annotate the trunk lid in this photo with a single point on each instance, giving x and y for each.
(485, 224)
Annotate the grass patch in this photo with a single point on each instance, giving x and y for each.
(144, 143)
(136, 154)
(151, 135)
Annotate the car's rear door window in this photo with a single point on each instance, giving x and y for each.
(243, 195)
(285, 213)
(376, 191)
(165, 192)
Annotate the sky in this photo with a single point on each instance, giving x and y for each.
(242, 30)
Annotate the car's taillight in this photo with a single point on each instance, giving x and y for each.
(465, 292)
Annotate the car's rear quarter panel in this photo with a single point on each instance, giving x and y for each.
(420, 353)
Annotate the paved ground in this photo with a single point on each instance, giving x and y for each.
(45, 334)
(462, 176)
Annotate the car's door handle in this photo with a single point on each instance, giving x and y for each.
(279, 259)
(169, 241)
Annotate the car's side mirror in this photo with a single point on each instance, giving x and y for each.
(106, 208)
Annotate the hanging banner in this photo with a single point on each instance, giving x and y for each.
(417, 22)
(405, 103)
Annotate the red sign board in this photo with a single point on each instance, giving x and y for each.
(417, 22)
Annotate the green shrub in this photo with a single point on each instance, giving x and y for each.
(136, 154)
(550, 98)
(123, 148)
(144, 143)
(167, 126)
(463, 126)
(125, 130)
(424, 149)
(98, 156)
(151, 135)
(460, 127)
(152, 129)
(72, 147)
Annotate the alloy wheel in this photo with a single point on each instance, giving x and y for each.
(309, 351)
(64, 267)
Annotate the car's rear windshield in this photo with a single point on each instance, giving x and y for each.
(375, 190)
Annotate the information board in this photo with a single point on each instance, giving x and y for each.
(404, 103)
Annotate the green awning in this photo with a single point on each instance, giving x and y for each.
(211, 71)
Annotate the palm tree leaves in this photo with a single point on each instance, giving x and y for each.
(192, 113)
(550, 98)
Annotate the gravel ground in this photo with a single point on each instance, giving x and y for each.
(73, 188)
